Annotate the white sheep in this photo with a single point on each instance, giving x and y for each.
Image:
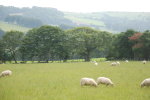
(104, 80)
(146, 82)
(88, 81)
(126, 61)
(6, 73)
(96, 63)
(118, 63)
(113, 64)
(144, 62)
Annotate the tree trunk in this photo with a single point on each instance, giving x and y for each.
(87, 57)
(14, 57)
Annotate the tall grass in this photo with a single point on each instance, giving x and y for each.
(61, 81)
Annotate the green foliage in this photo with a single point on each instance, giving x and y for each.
(123, 46)
(46, 43)
(85, 40)
(12, 41)
(61, 81)
(145, 40)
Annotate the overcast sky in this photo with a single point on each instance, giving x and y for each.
(84, 5)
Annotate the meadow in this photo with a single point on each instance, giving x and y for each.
(8, 27)
(61, 81)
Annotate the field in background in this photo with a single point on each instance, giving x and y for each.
(8, 27)
(61, 81)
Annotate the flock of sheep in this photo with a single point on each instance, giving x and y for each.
(107, 81)
(91, 81)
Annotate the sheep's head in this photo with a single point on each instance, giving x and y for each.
(142, 85)
(112, 84)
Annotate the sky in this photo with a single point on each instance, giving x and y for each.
(84, 6)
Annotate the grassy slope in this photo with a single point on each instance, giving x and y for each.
(95, 18)
(7, 27)
(61, 81)
(86, 19)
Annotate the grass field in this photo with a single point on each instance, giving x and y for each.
(85, 21)
(8, 27)
(61, 81)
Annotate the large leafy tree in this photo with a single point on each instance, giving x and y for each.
(12, 41)
(145, 40)
(84, 40)
(28, 47)
(137, 45)
(44, 43)
(123, 46)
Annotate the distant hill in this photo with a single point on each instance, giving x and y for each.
(113, 21)
(33, 17)
(7, 27)
(109, 21)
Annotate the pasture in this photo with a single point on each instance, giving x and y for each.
(61, 81)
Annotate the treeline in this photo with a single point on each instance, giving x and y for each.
(49, 43)
(23, 21)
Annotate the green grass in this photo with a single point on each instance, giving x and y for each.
(85, 21)
(8, 27)
(61, 81)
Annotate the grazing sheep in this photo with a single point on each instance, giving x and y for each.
(118, 63)
(96, 63)
(104, 80)
(146, 82)
(6, 73)
(113, 64)
(126, 61)
(88, 81)
(144, 62)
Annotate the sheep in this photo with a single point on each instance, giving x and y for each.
(113, 64)
(96, 63)
(6, 73)
(104, 80)
(88, 81)
(118, 63)
(126, 61)
(146, 82)
(144, 62)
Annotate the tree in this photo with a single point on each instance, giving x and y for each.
(29, 46)
(123, 46)
(84, 40)
(137, 45)
(12, 41)
(44, 42)
(145, 40)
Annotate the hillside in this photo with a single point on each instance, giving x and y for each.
(7, 27)
(112, 21)
(33, 17)
(109, 21)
